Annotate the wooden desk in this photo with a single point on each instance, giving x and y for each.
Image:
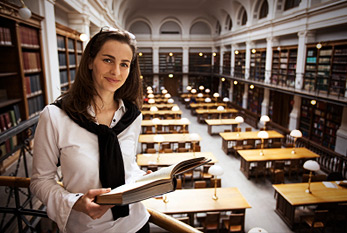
(172, 138)
(161, 113)
(167, 159)
(193, 201)
(200, 112)
(175, 122)
(291, 196)
(159, 106)
(233, 136)
(272, 154)
(194, 106)
(212, 122)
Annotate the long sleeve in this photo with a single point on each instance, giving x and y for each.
(59, 201)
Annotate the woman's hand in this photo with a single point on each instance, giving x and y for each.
(86, 205)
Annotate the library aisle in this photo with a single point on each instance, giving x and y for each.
(259, 194)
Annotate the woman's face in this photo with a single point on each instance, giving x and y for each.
(111, 66)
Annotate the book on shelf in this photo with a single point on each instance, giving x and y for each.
(5, 36)
(150, 185)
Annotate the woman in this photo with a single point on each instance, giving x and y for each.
(92, 133)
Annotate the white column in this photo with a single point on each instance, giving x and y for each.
(245, 97)
(231, 90)
(268, 64)
(80, 22)
(265, 103)
(220, 87)
(185, 82)
(232, 59)
(50, 50)
(185, 60)
(249, 45)
(304, 38)
(294, 116)
(156, 68)
(222, 49)
(341, 135)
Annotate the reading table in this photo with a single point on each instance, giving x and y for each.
(212, 122)
(167, 159)
(291, 196)
(211, 112)
(272, 154)
(175, 122)
(194, 201)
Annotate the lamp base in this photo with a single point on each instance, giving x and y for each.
(214, 197)
(308, 191)
(261, 153)
(293, 151)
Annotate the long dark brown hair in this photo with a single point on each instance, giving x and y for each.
(81, 94)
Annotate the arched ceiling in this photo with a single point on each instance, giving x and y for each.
(131, 9)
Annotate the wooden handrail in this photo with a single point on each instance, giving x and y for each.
(169, 223)
(162, 220)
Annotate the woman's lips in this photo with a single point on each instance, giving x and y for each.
(112, 80)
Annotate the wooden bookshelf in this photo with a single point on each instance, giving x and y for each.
(146, 63)
(200, 64)
(226, 62)
(255, 98)
(216, 63)
(257, 65)
(284, 66)
(22, 77)
(170, 64)
(70, 49)
(240, 64)
(238, 93)
(326, 68)
(320, 122)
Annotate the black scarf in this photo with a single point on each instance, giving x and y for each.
(111, 166)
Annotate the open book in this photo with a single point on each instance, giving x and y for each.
(150, 185)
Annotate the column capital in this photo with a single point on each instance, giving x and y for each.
(155, 47)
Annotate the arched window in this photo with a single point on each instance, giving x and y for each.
(170, 27)
(218, 28)
(228, 23)
(200, 28)
(264, 9)
(244, 17)
(140, 27)
(289, 4)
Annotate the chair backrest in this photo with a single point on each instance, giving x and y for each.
(248, 129)
(279, 177)
(151, 151)
(168, 150)
(320, 215)
(199, 184)
(276, 144)
(179, 183)
(236, 129)
(236, 220)
(320, 177)
(279, 165)
(334, 176)
(182, 150)
(227, 130)
(196, 148)
(153, 168)
(216, 180)
(212, 221)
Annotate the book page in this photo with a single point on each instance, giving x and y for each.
(162, 173)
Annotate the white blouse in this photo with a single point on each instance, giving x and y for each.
(57, 136)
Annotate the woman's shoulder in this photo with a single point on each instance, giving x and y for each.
(53, 112)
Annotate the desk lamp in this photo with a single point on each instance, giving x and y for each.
(150, 91)
(150, 96)
(156, 121)
(239, 120)
(201, 88)
(153, 109)
(158, 138)
(167, 95)
(225, 99)
(175, 109)
(310, 165)
(295, 134)
(185, 122)
(220, 108)
(189, 88)
(151, 101)
(164, 91)
(194, 137)
(186, 99)
(207, 91)
(215, 170)
(263, 135)
(170, 101)
(264, 119)
(200, 95)
(207, 100)
(216, 95)
(193, 91)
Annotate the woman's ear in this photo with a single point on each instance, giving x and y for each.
(90, 64)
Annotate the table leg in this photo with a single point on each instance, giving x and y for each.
(225, 146)
(209, 129)
(285, 210)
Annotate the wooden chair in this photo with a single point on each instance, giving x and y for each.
(227, 130)
(168, 150)
(165, 145)
(196, 148)
(250, 144)
(236, 129)
(276, 144)
(149, 130)
(199, 184)
(153, 168)
(248, 129)
(260, 168)
(214, 180)
(319, 177)
(151, 151)
(278, 177)
(277, 166)
(179, 183)
(180, 150)
(204, 175)
(315, 221)
(234, 223)
(211, 222)
(187, 176)
(294, 167)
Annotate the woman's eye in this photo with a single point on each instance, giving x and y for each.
(107, 60)
(124, 65)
